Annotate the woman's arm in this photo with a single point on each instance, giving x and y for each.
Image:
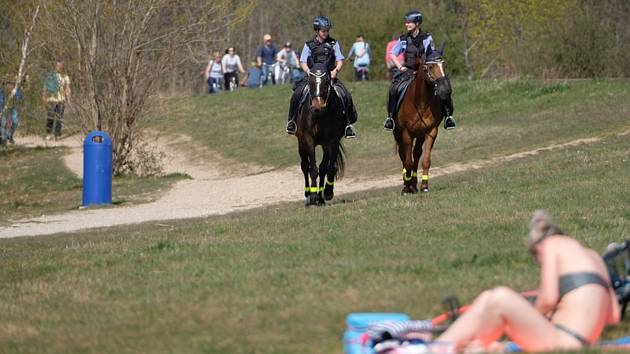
(280, 58)
(351, 52)
(206, 72)
(394, 53)
(548, 293)
(238, 63)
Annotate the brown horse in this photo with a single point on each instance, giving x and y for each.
(321, 121)
(418, 119)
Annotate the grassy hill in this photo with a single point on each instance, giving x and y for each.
(495, 117)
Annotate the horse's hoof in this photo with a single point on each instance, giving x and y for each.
(328, 195)
(311, 200)
(424, 189)
(407, 190)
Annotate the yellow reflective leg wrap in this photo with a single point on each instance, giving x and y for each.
(314, 189)
(307, 189)
(425, 177)
(414, 174)
(330, 183)
(405, 178)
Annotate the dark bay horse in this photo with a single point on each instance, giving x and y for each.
(418, 119)
(321, 121)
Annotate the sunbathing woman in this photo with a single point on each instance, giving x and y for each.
(574, 303)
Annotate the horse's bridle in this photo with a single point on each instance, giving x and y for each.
(427, 74)
(318, 79)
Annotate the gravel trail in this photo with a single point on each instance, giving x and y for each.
(213, 191)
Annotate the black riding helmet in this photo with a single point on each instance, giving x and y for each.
(414, 16)
(322, 22)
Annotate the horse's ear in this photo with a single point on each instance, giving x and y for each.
(427, 53)
(441, 50)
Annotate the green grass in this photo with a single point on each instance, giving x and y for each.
(495, 118)
(282, 280)
(35, 181)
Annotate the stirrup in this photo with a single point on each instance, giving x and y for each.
(291, 127)
(389, 127)
(349, 132)
(449, 123)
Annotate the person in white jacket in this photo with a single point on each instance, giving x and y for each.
(362, 53)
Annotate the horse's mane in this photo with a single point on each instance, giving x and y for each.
(319, 66)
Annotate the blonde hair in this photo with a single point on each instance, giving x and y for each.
(540, 226)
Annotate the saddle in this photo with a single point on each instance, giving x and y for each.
(341, 93)
(399, 88)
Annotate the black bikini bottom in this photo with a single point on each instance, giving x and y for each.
(585, 342)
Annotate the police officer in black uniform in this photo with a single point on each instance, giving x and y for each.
(322, 50)
(414, 43)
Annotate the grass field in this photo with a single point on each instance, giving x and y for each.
(496, 118)
(282, 279)
(35, 181)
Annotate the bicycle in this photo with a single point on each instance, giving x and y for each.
(269, 77)
(232, 83)
(282, 74)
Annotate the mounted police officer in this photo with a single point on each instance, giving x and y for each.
(414, 44)
(322, 50)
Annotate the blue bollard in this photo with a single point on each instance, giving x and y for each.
(97, 169)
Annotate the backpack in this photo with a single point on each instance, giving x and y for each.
(51, 83)
(363, 51)
(362, 57)
(355, 339)
(617, 259)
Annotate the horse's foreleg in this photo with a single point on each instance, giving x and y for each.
(404, 150)
(426, 158)
(312, 166)
(332, 172)
(323, 169)
(417, 152)
(304, 164)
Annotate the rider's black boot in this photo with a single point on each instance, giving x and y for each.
(449, 121)
(391, 105)
(293, 107)
(351, 116)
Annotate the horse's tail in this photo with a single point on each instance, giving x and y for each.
(341, 162)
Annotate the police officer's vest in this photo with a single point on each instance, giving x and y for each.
(414, 48)
(322, 53)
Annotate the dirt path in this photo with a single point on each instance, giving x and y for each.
(212, 191)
